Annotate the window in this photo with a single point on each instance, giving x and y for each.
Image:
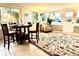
(51, 17)
(57, 17)
(43, 17)
(35, 17)
(77, 21)
(69, 16)
(32, 17)
(14, 15)
(5, 15)
(28, 17)
(0, 16)
(8, 15)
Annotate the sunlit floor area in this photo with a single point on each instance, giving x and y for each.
(21, 50)
(46, 42)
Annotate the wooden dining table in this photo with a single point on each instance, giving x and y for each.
(18, 29)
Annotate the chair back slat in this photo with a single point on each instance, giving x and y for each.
(4, 29)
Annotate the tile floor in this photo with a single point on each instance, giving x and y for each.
(21, 50)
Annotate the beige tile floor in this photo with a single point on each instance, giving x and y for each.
(21, 50)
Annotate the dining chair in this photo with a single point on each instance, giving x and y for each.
(12, 29)
(8, 34)
(35, 31)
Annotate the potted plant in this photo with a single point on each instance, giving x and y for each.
(77, 20)
(26, 14)
(68, 19)
(49, 21)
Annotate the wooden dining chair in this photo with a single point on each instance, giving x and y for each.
(8, 34)
(35, 31)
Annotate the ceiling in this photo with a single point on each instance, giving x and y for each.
(40, 6)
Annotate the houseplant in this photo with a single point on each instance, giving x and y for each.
(77, 20)
(68, 19)
(49, 21)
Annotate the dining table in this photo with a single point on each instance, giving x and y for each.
(18, 29)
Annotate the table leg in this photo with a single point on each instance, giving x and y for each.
(28, 35)
(17, 38)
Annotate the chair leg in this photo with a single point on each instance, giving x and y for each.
(17, 38)
(4, 41)
(21, 40)
(8, 42)
(13, 38)
(37, 37)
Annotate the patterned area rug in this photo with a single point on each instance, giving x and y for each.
(56, 43)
